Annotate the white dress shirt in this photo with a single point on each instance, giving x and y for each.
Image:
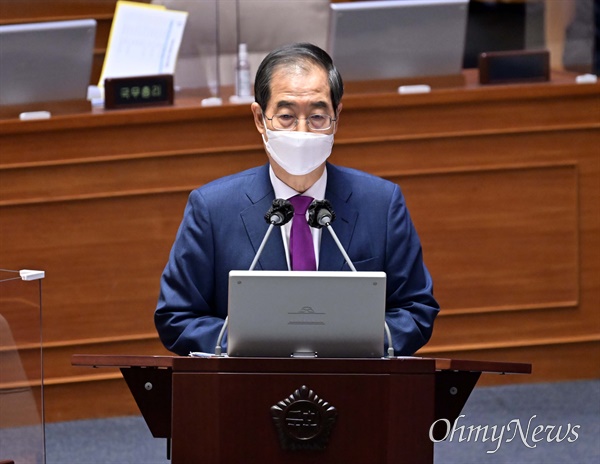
(317, 191)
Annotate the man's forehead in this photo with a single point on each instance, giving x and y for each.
(292, 86)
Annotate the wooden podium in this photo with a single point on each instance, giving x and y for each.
(220, 410)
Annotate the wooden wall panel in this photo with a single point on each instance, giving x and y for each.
(105, 255)
(36, 10)
(503, 184)
(521, 213)
(507, 190)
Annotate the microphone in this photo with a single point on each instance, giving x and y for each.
(321, 214)
(281, 212)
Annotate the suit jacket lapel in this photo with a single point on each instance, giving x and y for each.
(339, 195)
(261, 195)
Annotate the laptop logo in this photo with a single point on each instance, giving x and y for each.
(305, 311)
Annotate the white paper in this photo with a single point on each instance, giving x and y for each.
(144, 40)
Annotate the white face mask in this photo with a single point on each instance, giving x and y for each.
(298, 152)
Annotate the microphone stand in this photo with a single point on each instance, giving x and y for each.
(262, 245)
(320, 214)
(327, 225)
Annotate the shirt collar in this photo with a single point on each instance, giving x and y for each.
(316, 191)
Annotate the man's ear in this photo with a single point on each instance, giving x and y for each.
(258, 117)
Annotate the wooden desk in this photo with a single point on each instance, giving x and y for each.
(363, 410)
(503, 184)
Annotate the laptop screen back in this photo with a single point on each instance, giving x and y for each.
(397, 38)
(298, 313)
(49, 61)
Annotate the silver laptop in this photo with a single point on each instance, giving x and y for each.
(306, 314)
(49, 61)
(397, 38)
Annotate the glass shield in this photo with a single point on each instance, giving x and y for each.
(22, 437)
(198, 59)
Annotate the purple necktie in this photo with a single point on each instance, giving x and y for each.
(302, 251)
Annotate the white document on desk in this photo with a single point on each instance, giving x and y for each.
(144, 40)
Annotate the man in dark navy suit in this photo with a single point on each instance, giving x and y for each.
(298, 95)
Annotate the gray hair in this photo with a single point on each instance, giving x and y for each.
(296, 54)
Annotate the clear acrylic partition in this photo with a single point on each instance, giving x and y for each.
(198, 60)
(570, 35)
(21, 368)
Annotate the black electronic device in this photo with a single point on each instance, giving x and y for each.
(511, 67)
(127, 92)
